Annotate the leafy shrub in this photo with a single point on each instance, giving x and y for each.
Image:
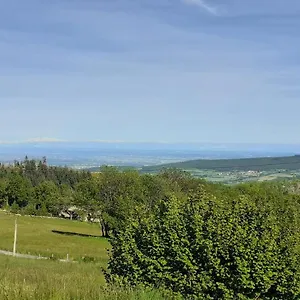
(15, 208)
(29, 210)
(203, 247)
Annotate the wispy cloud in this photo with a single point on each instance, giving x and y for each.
(201, 3)
(33, 140)
(44, 140)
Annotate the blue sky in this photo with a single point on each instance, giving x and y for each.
(150, 70)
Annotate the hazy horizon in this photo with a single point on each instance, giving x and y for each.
(93, 154)
(58, 141)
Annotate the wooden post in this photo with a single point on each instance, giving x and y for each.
(15, 237)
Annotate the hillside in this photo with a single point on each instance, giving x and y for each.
(245, 164)
(47, 238)
(232, 171)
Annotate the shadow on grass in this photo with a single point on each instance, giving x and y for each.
(76, 234)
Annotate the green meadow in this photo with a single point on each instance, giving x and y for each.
(36, 237)
(24, 279)
(51, 279)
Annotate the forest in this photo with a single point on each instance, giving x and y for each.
(185, 236)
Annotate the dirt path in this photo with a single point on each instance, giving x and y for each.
(19, 255)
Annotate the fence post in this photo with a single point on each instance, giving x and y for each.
(15, 237)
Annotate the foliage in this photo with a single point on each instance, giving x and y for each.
(113, 196)
(47, 197)
(31, 210)
(119, 194)
(38, 188)
(19, 190)
(15, 208)
(3, 196)
(204, 247)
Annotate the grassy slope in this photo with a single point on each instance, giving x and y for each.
(49, 279)
(24, 279)
(35, 236)
(43, 279)
(245, 164)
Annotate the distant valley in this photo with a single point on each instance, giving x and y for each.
(237, 170)
(227, 163)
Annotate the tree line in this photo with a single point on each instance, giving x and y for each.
(109, 196)
(33, 187)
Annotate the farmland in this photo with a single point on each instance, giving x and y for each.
(237, 170)
(231, 171)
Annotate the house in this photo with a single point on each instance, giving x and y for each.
(70, 213)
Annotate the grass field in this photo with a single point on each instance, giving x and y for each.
(54, 280)
(22, 279)
(46, 279)
(35, 237)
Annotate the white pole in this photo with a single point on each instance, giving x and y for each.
(15, 238)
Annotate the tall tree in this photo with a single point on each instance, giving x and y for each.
(47, 195)
(19, 190)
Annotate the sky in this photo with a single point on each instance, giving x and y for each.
(218, 71)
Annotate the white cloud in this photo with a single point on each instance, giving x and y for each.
(201, 3)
